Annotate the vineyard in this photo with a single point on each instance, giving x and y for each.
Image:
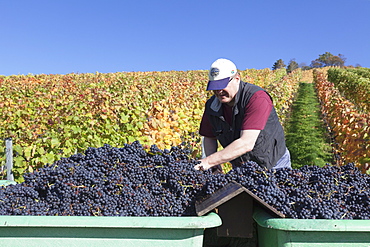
(53, 116)
(344, 97)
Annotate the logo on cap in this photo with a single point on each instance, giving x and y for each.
(215, 72)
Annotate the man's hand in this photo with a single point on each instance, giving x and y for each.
(238, 147)
(203, 165)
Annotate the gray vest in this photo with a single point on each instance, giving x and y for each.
(270, 144)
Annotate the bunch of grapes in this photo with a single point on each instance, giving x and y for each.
(135, 181)
(107, 181)
(311, 192)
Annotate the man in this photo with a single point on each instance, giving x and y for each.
(240, 116)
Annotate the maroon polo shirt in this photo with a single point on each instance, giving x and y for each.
(256, 114)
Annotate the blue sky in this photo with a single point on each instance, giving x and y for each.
(88, 36)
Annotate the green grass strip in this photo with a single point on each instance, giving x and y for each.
(306, 137)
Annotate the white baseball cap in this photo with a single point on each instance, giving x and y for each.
(220, 74)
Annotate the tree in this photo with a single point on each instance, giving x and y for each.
(316, 64)
(304, 66)
(278, 64)
(292, 65)
(328, 59)
(337, 60)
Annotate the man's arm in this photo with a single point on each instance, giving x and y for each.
(234, 150)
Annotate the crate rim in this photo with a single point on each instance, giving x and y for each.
(264, 219)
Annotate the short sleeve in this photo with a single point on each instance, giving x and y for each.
(206, 127)
(257, 111)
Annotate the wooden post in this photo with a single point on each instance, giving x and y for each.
(9, 158)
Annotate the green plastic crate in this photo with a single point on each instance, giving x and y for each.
(279, 232)
(104, 231)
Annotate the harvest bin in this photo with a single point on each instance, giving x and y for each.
(104, 231)
(273, 232)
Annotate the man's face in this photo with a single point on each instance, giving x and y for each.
(227, 95)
